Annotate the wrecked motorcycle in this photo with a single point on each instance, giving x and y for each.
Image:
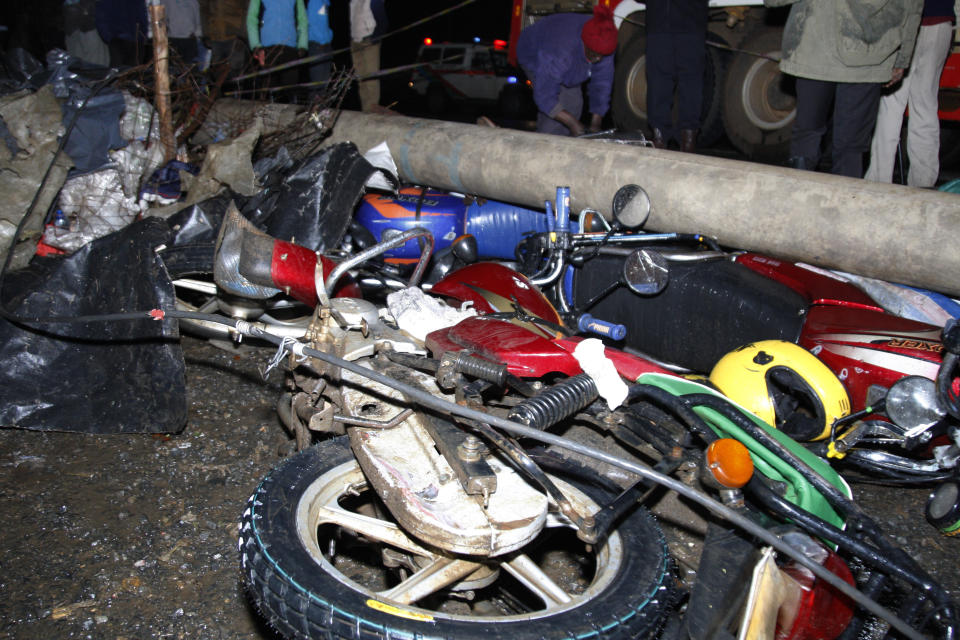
(705, 305)
(716, 303)
(430, 517)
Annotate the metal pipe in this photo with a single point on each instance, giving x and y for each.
(891, 232)
(381, 247)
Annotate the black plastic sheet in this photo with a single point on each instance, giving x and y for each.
(310, 202)
(96, 128)
(97, 377)
(313, 202)
(117, 377)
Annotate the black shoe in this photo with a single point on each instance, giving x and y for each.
(659, 141)
(688, 140)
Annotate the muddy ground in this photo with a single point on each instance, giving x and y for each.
(133, 536)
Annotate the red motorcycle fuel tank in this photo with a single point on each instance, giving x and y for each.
(494, 288)
(526, 347)
(863, 344)
(529, 349)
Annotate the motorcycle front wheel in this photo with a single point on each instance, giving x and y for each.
(315, 580)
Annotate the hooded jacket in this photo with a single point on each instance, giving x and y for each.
(551, 52)
(848, 40)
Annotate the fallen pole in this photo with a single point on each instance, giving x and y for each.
(882, 231)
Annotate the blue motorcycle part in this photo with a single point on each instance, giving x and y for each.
(611, 330)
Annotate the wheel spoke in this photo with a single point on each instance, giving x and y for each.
(532, 576)
(435, 576)
(381, 530)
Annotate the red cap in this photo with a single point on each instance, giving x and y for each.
(599, 33)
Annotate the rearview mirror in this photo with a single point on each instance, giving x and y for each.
(646, 272)
(913, 405)
(631, 206)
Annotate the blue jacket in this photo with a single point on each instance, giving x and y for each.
(318, 21)
(551, 53)
(284, 22)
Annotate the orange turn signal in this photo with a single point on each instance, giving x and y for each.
(729, 463)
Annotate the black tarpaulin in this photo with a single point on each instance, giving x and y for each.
(314, 201)
(99, 377)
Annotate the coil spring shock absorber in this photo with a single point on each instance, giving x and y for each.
(556, 403)
(456, 362)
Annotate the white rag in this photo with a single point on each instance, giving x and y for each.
(418, 314)
(595, 363)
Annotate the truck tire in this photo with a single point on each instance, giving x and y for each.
(759, 102)
(630, 89)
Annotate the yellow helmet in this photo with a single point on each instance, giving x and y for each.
(785, 385)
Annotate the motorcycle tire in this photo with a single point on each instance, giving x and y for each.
(307, 590)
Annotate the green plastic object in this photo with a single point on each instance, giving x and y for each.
(799, 491)
(950, 187)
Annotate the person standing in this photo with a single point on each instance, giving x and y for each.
(368, 21)
(676, 58)
(842, 52)
(559, 54)
(124, 26)
(279, 36)
(184, 27)
(918, 91)
(319, 36)
(80, 31)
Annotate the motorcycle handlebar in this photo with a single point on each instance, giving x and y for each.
(611, 330)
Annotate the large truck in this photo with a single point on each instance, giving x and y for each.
(745, 95)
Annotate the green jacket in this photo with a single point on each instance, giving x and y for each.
(848, 40)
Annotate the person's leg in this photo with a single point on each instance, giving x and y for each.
(923, 125)
(123, 53)
(186, 48)
(276, 55)
(571, 99)
(366, 60)
(320, 71)
(691, 62)
(814, 101)
(854, 116)
(886, 136)
(659, 66)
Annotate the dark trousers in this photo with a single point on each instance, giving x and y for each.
(186, 48)
(320, 71)
(128, 53)
(853, 106)
(675, 61)
(278, 54)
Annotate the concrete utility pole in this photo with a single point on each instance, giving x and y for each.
(883, 231)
